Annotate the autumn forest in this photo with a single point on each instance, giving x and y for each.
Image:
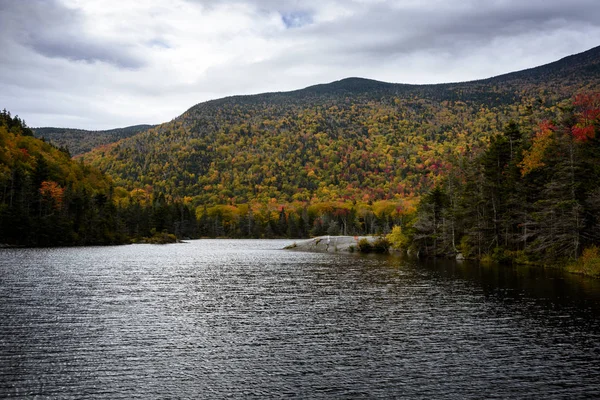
(504, 169)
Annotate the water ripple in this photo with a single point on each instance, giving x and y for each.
(242, 319)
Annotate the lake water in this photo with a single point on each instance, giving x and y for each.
(244, 319)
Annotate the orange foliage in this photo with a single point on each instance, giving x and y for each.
(52, 191)
(533, 158)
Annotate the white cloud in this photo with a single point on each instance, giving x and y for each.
(110, 63)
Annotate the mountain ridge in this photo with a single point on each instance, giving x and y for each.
(347, 85)
(361, 85)
(79, 141)
(592, 55)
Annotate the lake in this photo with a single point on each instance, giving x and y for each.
(244, 319)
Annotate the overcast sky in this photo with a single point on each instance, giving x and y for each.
(98, 64)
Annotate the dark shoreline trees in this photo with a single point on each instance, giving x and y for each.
(525, 198)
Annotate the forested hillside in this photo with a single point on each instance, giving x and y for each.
(79, 141)
(45, 197)
(354, 140)
(48, 199)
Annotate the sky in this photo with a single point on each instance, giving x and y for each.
(101, 64)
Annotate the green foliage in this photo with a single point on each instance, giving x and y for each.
(346, 158)
(381, 245)
(434, 228)
(486, 259)
(48, 199)
(14, 125)
(502, 256)
(301, 219)
(465, 247)
(357, 150)
(364, 246)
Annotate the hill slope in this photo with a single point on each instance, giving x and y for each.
(353, 140)
(79, 141)
(46, 198)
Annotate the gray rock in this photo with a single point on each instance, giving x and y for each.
(330, 244)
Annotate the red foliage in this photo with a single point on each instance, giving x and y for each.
(545, 127)
(587, 100)
(583, 133)
(52, 191)
(587, 112)
(590, 114)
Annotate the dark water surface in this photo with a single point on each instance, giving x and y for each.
(243, 319)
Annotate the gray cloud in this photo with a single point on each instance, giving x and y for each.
(386, 29)
(82, 49)
(63, 63)
(53, 30)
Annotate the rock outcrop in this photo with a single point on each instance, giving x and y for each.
(330, 244)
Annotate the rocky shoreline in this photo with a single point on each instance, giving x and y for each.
(330, 244)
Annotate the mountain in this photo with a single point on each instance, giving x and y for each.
(79, 141)
(354, 140)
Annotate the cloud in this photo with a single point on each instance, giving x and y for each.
(112, 63)
(53, 30)
(77, 49)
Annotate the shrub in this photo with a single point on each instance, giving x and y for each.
(381, 245)
(161, 238)
(397, 239)
(486, 259)
(334, 229)
(364, 246)
(501, 256)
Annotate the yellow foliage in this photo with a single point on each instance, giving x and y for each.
(398, 240)
(532, 159)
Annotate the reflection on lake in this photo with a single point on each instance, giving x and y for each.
(242, 318)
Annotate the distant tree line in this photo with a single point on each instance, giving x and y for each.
(302, 219)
